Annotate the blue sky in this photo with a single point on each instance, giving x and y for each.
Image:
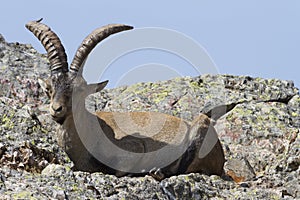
(256, 38)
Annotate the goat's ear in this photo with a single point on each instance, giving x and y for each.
(98, 86)
(101, 85)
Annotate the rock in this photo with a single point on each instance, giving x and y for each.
(239, 169)
(2, 40)
(59, 195)
(187, 97)
(257, 121)
(185, 187)
(55, 170)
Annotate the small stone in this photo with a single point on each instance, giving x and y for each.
(245, 185)
(60, 195)
(239, 169)
(54, 170)
(2, 40)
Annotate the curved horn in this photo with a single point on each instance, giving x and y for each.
(55, 50)
(92, 40)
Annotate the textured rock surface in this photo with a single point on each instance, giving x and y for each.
(258, 122)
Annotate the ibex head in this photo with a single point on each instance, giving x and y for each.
(59, 86)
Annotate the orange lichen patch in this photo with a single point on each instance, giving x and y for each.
(235, 178)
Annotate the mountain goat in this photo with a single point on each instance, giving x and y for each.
(87, 137)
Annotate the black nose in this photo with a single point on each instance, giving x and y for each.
(57, 109)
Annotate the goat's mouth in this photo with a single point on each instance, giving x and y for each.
(59, 120)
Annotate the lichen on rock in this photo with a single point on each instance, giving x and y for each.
(257, 120)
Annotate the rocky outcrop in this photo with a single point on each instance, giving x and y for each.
(257, 120)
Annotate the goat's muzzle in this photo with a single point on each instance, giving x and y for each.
(57, 112)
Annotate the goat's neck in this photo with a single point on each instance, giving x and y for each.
(84, 128)
(80, 135)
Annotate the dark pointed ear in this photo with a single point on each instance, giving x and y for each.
(101, 85)
(98, 86)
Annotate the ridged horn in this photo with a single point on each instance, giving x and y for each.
(92, 40)
(55, 50)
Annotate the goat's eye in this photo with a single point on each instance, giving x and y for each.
(48, 91)
(49, 88)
